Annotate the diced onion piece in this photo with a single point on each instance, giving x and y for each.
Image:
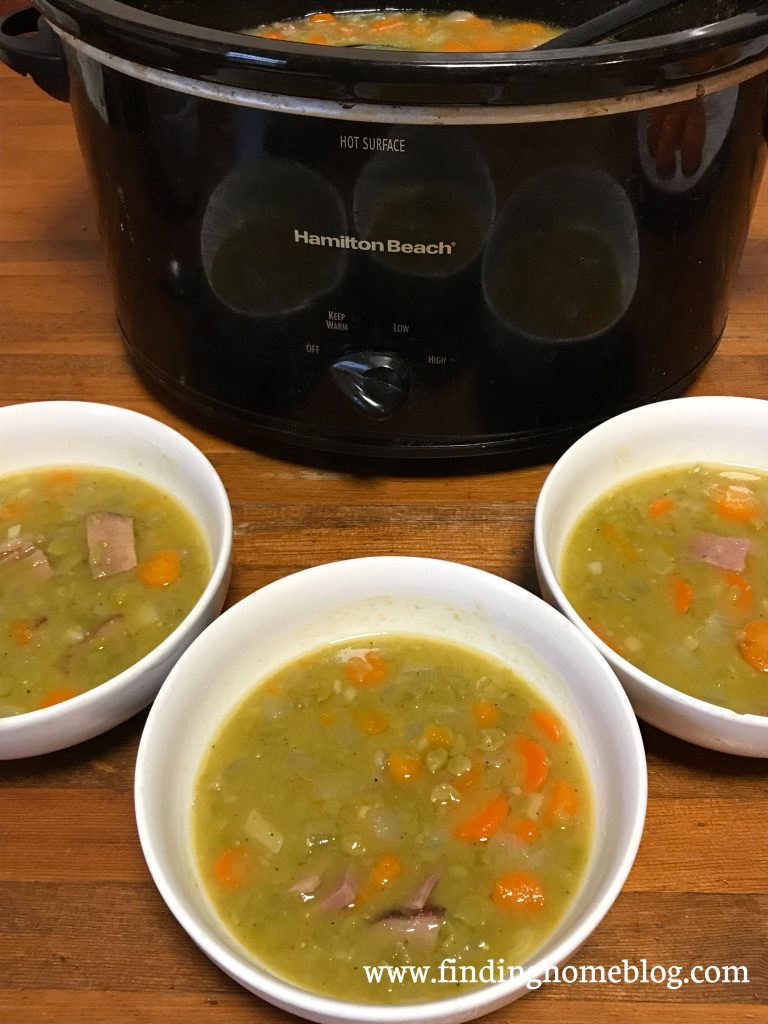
(258, 828)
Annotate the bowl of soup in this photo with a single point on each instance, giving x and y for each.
(403, 789)
(115, 544)
(652, 537)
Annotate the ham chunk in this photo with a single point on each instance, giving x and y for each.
(343, 894)
(33, 558)
(14, 550)
(111, 544)
(724, 552)
(420, 927)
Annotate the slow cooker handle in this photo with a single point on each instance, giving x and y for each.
(29, 46)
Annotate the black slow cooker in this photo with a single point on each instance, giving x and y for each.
(411, 254)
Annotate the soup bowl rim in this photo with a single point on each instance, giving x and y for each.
(269, 984)
(35, 732)
(643, 687)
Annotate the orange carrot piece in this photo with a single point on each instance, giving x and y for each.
(739, 591)
(613, 536)
(563, 802)
(486, 713)
(735, 502)
(518, 890)
(366, 670)
(317, 38)
(682, 595)
(536, 768)
(438, 736)
(660, 507)
(387, 24)
(160, 569)
(524, 829)
(403, 767)
(63, 478)
(754, 644)
(469, 779)
(386, 870)
(484, 824)
(12, 511)
(600, 633)
(58, 695)
(322, 17)
(548, 724)
(233, 867)
(21, 632)
(371, 723)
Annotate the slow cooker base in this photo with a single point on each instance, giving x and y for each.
(295, 443)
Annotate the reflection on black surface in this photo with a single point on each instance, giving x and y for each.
(561, 282)
(251, 257)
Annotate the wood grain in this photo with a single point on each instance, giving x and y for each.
(84, 936)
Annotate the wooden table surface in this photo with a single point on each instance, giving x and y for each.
(84, 935)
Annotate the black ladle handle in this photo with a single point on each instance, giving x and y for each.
(608, 24)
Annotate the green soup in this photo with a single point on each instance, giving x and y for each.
(96, 569)
(394, 801)
(671, 571)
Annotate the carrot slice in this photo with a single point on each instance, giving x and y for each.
(735, 502)
(12, 511)
(160, 569)
(438, 736)
(233, 867)
(548, 724)
(322, 17)
(682, 595)
(524, 829)
(660, 507)
(486, 713)
(21, 632)
(372, 723)
(387, 24)
(739, 592)
(486, 823)
(469, 779)
(403, 767)
(518, 890)
(754, 644)
(63, 478)
(366, 670)
(535, 769)
(58, 696)
(614, 536)
(600, 633)
(563, 802)
(386, 870)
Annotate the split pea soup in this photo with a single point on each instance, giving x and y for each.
(96, 569)
(457, 31)
(671, 571)
(391, 801)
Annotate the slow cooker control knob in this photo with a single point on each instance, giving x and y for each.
(375, 382)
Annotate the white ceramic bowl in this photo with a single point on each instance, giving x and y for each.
(679, 432)
(366, 596)
(86, 434)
